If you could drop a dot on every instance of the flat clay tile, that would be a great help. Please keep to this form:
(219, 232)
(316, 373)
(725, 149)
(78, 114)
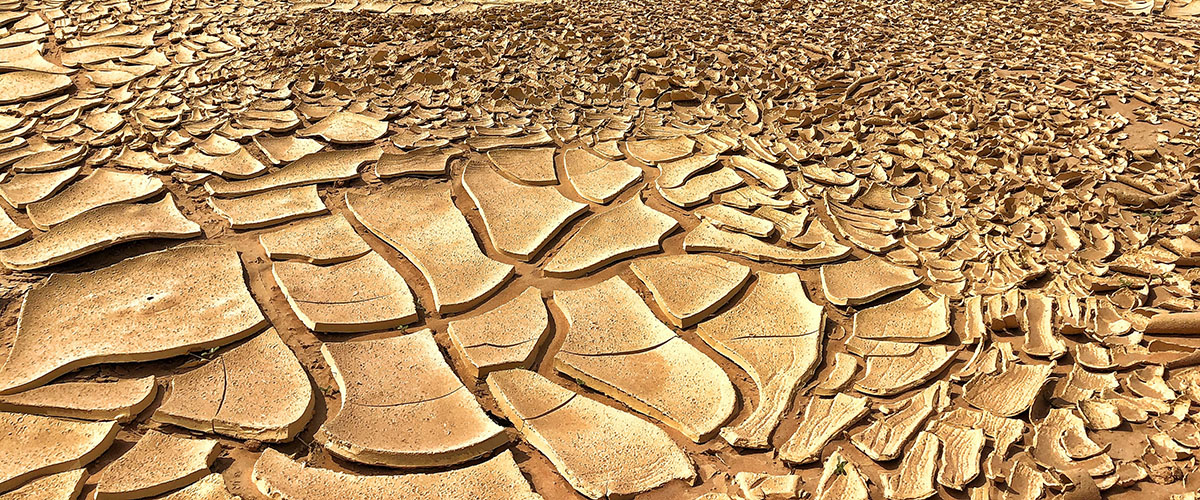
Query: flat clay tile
(354, 296)
(822, 420)
(269, 208)
(841, 480)
(314, 168)
(914, 317)
(101, 228)
(520, 220)
(533, 166)
(601, 451)
(1008, 391)
(61, 486)
(282, 149)
(899, 421)
(37, 446)
(428, 160)
(256, 390)
(346, 128)
(626, 230)
(210, 487)
(775, 334)
(121, 401)
(859, 282)
(422, 222)
(498, 478)
(502, 338)
(488, 143)
(197, 300)
(700, 188)
(101, 187)
(674, 173)
(319, 240)
(616, 345)
(730, 219)
(914, 479)
(770, 176)
(158, 463)
(888, 375)
(21, 86)
(690, 287)
(707, 238)
(651, 151)
(10, 232)
(239, 164)
(20, 190)
(402, 406)
(597, 179)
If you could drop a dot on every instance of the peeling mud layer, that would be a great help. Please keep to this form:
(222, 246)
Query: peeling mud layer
(571, 249)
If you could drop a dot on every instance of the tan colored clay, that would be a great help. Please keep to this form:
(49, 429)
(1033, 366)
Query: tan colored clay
(862, 281)
(520, 220)
(707, 238)
(626, 230)
(600, 450)
(158, 463)
(914, 317)
(597, 179)
(121, 401)
(532, 166)
(22, 189)
(257, 390)
(197, 300)
(61, 486)
(269, 208)
(822, 420)
(319, 240)
(688, 288)
(37, 446)
(422, 222)
(354, 296)
(502, 338)
(101, 187)
(402, 406)
(314, 168)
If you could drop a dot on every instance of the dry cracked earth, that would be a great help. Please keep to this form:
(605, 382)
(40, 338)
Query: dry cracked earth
(503, 249)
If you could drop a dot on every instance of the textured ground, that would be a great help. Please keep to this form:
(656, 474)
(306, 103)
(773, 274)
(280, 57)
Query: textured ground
(1033, 164)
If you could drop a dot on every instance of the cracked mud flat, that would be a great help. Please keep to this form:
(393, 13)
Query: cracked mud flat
(560, 249)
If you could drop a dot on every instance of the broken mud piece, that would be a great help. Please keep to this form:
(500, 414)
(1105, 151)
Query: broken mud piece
(277, 476)
(626, 230)
(237, 165)
(707, 238)
(421, 161)
(1100, 415)
(653, 151)
(689, 287)
(21, 86)
(758, 486)
(962, 454)
(615, 345)
(20, 190)
(314, 168)
(1038, 324)
(359, 295)
(1051, 449)
(98, 229)
(402, 406)
(342, 127)
(731, 219)
(257, 390)
(421, 221)
(1174, 323)
(38, 446)
(841, 480)
(520, 220)
(774, 333)
(889, 375)
(100, 188)
(598, 179)
(1004, 432)
(675, 173)
(121, 401)
(286, 148)
(269, 208)
(533, 166)
(10, 232)
(210, 487)
(197, 300)
(885, 437)
(822, 420)
(770, 176)
(158, 463)
(859, 282)
(1009, 391)
(700, 188)
(61, 486)
(913, 317)
(840, 374)
(488, 143)
(601, 451)
(320, 240)
(502, 338)
(914, 479)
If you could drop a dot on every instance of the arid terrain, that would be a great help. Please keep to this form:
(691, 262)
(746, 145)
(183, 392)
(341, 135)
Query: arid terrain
(475, 249)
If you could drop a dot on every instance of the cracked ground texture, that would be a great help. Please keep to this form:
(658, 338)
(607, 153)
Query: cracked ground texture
(988, 207)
